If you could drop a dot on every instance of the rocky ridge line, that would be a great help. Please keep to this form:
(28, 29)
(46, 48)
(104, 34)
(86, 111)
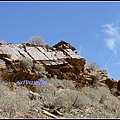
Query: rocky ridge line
(60, 61)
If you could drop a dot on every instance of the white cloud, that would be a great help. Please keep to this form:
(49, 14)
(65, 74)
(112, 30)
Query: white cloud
(113, 34)
(111, 30)
(110, 43)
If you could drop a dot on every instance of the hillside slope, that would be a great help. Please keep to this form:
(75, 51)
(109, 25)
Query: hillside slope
(53, 82)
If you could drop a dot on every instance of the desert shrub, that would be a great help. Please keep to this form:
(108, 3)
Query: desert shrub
(61, 101)
(96, 78)
(47, 46)
(66, 84)
(110, 106)
(93, 66)
(38, 40)
(26, 62)
(47, 92)
(103, 98)
(74, 99)
(95, 94)
(13, 103)
(40, 68)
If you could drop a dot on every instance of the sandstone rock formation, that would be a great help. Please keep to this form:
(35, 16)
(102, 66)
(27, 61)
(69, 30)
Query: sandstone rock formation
(19, 62)
(62, 60)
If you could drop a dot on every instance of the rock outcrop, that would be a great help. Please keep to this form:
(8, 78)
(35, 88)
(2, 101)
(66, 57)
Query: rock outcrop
(61, 60)
(30, 62)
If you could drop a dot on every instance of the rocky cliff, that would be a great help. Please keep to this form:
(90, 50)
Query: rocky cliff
(30, 62)
(61, 60)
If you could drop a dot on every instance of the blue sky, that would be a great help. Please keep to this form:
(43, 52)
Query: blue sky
(93, 28)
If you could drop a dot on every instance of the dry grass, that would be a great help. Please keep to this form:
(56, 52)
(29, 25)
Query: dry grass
(40, 68)
(87, 103)
(38, 40)
(93, 66)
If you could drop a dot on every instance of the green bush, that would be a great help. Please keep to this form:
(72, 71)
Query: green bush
(26, 62)
(96, 79)
(47, 46)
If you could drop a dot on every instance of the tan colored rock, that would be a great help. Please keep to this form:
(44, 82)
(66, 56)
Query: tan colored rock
(2, 64)
(61, 60)
(36, 54)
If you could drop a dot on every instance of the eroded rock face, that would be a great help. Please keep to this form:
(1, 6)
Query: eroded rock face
(62, 60)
